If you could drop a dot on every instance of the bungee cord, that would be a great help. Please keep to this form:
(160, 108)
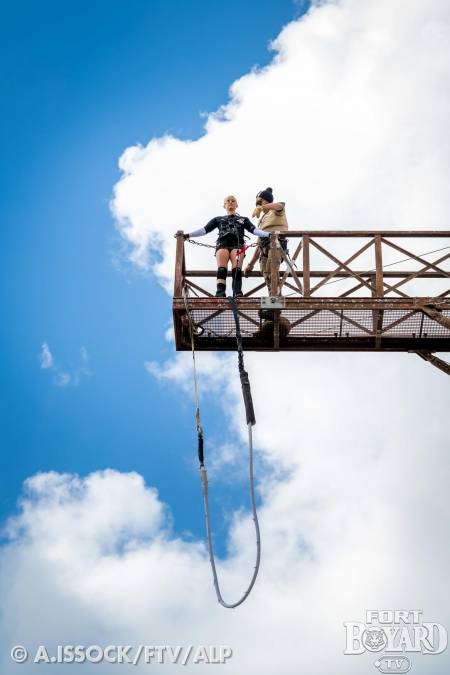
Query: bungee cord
(204, 479)
(251, 421)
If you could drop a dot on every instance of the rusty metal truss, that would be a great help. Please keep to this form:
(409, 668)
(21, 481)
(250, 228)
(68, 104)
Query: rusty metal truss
(336, 290)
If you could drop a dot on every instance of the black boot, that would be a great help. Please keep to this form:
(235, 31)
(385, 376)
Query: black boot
(220, 293)
(236, 273)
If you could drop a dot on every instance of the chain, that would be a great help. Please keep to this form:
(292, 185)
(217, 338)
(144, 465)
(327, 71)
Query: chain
(199, 243)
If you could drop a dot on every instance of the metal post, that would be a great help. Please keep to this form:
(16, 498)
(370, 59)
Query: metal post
(179, 266)
(273, 264)
(306, 269)
(377, 314)
(379, 288)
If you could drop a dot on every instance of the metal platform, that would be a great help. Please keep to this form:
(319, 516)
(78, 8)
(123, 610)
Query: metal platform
(374, 314)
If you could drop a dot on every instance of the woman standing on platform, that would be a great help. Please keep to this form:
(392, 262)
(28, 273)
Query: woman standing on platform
(230, 239)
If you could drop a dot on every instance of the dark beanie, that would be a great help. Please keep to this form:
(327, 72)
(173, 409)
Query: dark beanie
(265, 194)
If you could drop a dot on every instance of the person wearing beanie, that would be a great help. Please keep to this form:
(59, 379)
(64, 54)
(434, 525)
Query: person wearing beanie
(230, 239)
(266, 194)
(272, 218)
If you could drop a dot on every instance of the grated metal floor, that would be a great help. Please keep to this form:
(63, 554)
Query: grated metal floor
(323, 323)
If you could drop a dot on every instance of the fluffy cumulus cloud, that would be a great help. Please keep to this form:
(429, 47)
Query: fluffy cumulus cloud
(348, 124)
(350, 528)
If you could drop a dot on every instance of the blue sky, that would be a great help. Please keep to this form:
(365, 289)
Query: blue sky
(80, 83)
(353, 496)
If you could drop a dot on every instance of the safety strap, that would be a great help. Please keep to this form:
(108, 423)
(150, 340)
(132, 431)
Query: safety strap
(250, 415)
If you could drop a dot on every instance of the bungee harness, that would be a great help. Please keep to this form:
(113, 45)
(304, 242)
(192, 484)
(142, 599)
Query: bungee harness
(251, 421)
(241, 251)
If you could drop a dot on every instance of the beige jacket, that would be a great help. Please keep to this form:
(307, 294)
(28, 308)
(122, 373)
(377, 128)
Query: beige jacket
(274, 221)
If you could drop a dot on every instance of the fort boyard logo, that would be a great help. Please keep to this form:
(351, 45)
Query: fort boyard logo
(397, 633)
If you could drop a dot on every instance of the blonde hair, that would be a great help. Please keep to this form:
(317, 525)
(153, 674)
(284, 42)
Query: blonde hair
(229, 197)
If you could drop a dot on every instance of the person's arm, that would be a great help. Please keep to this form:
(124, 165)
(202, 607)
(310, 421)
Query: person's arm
(251, 264)
(276, 206)
(209, 227)
(260, 233)
(253, 229)
(196, 233)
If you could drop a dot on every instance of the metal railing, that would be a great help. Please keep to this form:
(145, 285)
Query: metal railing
(337, 290)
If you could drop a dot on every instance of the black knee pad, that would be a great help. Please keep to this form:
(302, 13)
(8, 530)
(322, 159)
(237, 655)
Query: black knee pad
(222, 273)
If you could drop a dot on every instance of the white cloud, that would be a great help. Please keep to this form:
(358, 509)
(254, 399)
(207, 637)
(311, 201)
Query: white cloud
(353, 528)
(349, 125)
(46, 357)
(62, 377)
(210, 370)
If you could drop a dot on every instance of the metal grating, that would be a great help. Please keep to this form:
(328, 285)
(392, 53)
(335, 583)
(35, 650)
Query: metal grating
(324, 323)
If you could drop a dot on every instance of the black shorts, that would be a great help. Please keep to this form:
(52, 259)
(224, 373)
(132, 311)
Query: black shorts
(227, 248)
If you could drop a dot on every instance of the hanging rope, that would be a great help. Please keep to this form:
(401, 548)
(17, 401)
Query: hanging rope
(250, 416)
(198, 422)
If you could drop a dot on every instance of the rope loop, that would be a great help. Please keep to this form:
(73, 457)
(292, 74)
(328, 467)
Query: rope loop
(203, 473)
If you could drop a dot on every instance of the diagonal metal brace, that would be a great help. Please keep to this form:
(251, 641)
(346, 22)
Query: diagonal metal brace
(291, 267)
(435, 361)
(436, 315)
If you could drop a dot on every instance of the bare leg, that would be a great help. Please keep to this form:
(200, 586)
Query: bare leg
(222, 258)
(235, 260)
(236, 264)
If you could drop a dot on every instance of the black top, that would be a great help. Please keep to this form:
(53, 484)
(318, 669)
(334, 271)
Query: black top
(231, 229)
